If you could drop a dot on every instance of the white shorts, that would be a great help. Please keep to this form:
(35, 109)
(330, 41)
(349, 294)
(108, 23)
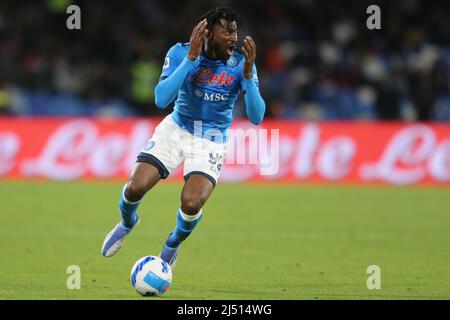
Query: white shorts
(171, 145)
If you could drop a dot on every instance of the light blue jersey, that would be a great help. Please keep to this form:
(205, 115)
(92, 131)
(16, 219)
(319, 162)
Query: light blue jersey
(208, 92)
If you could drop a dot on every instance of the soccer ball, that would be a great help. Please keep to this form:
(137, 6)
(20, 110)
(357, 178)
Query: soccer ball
(151, 276)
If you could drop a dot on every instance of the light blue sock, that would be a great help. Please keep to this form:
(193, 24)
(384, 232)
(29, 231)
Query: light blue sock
(185, 226)
(128, 210)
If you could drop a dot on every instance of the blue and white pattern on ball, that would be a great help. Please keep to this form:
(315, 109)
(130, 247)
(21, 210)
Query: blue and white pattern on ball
(151, 276)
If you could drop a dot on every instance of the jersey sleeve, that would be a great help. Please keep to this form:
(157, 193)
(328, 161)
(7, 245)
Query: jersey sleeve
(255, 105)
(175, 70)
(241, 74)
(172, 60)
(254, 78)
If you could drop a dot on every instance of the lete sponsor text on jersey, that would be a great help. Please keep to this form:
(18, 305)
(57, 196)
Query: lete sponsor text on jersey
(205, 76)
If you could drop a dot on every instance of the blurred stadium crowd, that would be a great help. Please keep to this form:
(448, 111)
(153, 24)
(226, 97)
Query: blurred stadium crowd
(316, 59)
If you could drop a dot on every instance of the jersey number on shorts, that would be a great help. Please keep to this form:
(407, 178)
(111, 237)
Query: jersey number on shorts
(216, 160)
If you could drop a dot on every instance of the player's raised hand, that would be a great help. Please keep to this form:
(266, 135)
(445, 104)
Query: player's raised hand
(195, 44)
(249, 50)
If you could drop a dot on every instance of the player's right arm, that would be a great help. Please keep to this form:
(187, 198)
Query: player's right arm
(176, 69)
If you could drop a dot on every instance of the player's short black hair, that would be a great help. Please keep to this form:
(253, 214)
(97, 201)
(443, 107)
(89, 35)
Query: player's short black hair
(214, 15)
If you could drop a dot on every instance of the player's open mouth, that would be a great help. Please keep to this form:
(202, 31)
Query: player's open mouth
(230, 50)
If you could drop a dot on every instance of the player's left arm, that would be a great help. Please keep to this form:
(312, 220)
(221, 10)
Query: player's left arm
(254, 103)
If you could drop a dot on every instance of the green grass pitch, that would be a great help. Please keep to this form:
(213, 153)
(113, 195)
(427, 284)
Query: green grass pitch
(255, 242)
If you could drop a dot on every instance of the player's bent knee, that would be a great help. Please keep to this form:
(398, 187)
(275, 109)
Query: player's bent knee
(135, 190)
(191, 205)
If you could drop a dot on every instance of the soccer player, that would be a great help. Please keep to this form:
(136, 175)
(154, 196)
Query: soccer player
(204, 77)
